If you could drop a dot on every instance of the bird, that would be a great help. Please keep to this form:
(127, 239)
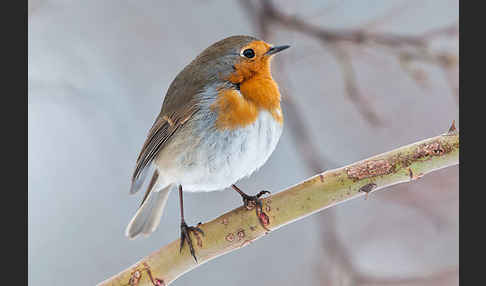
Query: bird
(220, 121)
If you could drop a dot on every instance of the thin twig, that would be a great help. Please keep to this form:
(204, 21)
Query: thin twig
(415, 46)
(311, 154)
(350, 82)
(392, 13)
(300, 134)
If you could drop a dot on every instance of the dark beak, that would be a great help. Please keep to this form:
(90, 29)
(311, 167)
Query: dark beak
(274, 50)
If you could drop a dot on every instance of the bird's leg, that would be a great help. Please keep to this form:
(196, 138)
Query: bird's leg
(254, 202)
(185, 230)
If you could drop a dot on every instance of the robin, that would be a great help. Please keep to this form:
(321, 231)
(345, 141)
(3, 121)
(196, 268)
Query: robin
(220, 121)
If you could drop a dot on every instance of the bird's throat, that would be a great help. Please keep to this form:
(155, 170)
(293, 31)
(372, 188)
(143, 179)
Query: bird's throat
(237, 109)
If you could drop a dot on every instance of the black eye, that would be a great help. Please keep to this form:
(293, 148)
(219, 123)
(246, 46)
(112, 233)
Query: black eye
(249, 53)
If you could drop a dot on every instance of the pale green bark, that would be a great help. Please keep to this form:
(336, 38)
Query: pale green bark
(240, 226)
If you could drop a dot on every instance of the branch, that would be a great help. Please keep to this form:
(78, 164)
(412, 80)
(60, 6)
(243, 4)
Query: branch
(407, 48)
(358, 36)
(240, 227)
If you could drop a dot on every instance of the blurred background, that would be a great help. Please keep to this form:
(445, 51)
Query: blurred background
(361, 78)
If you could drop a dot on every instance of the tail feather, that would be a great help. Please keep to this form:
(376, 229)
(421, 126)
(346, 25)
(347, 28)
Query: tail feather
(147, 217)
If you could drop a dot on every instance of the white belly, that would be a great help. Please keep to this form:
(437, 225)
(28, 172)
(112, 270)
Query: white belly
(206, 159)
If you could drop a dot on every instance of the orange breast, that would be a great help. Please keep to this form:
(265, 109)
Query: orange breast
(233, 110)
(239, 109)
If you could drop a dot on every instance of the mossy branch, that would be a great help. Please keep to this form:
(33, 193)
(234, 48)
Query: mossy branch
(240, 226)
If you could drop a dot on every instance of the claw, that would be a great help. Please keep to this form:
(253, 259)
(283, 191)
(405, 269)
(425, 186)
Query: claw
(252, 201)
(198, 230)
(185, 236)
(255, 202)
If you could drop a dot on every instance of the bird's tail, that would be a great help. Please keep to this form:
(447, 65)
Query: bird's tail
(147, 217)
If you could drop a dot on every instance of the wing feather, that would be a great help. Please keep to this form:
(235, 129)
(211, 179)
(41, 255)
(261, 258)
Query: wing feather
(179, 105)
(163, 129)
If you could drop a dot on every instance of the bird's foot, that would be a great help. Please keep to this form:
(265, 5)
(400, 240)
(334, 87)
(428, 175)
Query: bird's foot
(185, 230)
(251, 202)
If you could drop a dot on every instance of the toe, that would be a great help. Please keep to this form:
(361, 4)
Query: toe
(261, 193)
(198, 230)
(183, 238)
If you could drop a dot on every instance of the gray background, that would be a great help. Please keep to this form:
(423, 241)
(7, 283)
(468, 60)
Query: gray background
(98, 71)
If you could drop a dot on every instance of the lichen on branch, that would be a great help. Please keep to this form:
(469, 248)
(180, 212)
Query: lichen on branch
(239, 227)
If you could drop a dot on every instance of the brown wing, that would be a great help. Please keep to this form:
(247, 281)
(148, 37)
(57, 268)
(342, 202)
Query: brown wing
(165, 126)
(178, 107)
